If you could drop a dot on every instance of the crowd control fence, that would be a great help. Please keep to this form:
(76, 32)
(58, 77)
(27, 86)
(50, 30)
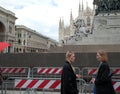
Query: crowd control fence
(89, 72)
(36, 85)
(15, 72)
(25, 80)
(50, 72)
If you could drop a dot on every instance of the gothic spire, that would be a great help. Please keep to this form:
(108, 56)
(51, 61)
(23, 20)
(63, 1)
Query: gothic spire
(82, 6)
(71, 16)
(60, 23)
(79, 12)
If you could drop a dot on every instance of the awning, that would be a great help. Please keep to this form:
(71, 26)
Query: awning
(3, 45)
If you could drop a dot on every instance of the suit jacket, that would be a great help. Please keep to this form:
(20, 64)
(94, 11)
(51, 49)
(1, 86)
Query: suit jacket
(103, 81)
(68, 80)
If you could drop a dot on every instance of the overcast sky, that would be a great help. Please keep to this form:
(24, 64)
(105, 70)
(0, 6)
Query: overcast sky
(43, 15)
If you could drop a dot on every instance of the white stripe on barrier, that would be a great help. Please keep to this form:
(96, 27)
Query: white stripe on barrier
(49, 84)
(51, 71)
(37, 84)
(59, 71)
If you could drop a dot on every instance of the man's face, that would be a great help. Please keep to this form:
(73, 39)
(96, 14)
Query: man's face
(72, 58)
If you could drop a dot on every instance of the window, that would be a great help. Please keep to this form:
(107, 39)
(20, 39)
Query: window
(88, 21)
(10, 29)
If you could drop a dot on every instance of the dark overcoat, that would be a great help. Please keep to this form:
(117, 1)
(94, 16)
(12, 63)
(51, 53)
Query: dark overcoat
(103, 80)
(68, 80)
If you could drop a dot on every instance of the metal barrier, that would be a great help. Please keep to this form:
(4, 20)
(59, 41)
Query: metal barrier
(8, 87)
(15, 72)
(116, 84)
(93, 70)
(38, 83)
(35, 85)
(50, 72)
(88, 72)
(31, 84)
(46, 72)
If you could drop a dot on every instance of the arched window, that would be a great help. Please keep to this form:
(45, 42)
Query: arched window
(2, 27)
(19, 41)
(24, 42)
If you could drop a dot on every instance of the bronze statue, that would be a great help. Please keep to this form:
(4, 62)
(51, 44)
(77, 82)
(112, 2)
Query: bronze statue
(107, 6)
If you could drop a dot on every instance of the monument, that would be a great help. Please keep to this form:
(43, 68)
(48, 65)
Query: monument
(106, 26)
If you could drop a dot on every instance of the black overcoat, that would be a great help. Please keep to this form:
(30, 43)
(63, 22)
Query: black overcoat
(103, 80)
(68, 80)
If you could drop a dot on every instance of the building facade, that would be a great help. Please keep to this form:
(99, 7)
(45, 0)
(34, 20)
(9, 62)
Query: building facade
(21, 38)
(29, 40)
(7, 19)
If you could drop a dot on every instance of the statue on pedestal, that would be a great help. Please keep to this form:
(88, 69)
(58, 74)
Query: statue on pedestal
(107, 6)
(114, 5)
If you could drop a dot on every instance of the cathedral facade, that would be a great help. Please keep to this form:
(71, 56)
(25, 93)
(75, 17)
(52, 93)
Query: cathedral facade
(78, 28)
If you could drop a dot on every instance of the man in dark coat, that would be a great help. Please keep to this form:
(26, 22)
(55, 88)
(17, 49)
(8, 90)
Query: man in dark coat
(68, 78)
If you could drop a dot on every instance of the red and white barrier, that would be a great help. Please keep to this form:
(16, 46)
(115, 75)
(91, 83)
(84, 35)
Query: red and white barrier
(38, 84)
(92, 71)
(12, 70)
(49, 70)
(116, 86)
(116, 71)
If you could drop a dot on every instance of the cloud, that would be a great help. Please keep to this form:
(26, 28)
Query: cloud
(42, 15)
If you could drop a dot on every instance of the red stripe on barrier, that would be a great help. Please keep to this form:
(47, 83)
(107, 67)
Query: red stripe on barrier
(21, 70)
(118, 89)
(14, 70)
(32, 83)
(48, 70)
(92, 71)
(113, 83)
(41, 70)
(8, 70)
(116, 71)
(116, 85)
(55, 84)
(43, 84)
(60, 71)
(19, 85)
(2, 70)
(55, 70)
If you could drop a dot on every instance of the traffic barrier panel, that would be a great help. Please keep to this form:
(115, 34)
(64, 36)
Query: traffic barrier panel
(46, 84)
(116, 85)
(47, 72)
(37, 84)
(15, 71)
(93, 70)
(116, 70)
(50, 72)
